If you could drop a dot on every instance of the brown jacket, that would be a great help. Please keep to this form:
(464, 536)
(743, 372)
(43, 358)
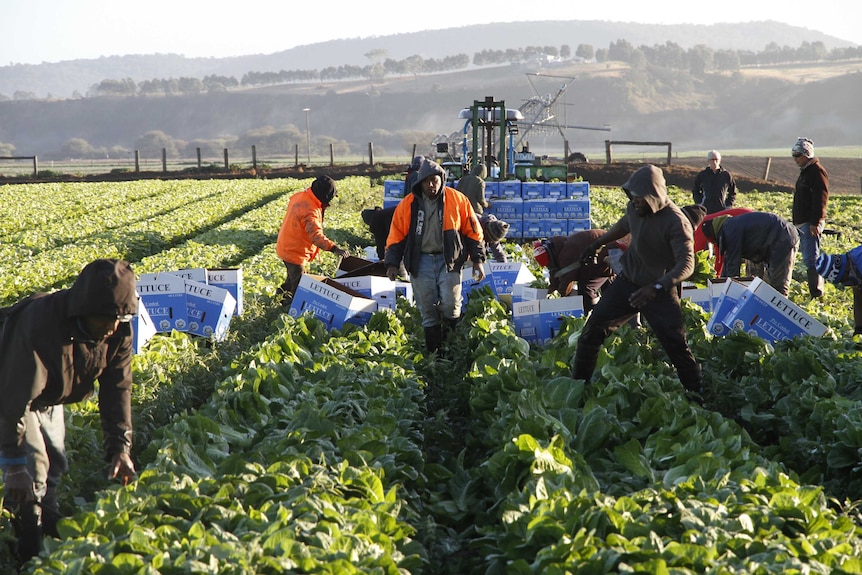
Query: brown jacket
(48, 359)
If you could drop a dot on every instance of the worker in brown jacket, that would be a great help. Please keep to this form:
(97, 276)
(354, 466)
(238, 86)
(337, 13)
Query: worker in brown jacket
(53, 347)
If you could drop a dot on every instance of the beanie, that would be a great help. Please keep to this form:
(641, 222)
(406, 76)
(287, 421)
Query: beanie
(695, 214)
(540, 253)
(323, 189)
(831, 267)
(496, 230)
(803, 147)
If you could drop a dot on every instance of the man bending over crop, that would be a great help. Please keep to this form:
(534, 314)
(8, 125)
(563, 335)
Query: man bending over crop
(53, 347)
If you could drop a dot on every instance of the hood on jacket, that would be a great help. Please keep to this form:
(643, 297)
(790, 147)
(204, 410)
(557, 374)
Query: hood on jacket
(711, 228)
(428, 168)
(105, 287)
(479, 170)
(648, 183)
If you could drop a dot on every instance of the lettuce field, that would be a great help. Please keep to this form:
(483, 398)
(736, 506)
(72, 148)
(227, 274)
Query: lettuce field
(287, 448)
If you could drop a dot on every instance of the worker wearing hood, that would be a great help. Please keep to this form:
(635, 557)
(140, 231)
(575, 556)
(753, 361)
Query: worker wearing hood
(659, 257)
(53, 347)
(473, 186)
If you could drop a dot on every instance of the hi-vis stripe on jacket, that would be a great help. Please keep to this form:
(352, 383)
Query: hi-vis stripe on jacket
(462, 234)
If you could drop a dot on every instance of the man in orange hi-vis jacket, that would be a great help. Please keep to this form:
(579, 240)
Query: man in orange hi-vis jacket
(301, 235)
(434, 230)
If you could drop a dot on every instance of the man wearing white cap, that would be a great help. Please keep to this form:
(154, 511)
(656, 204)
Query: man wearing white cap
(809, 209)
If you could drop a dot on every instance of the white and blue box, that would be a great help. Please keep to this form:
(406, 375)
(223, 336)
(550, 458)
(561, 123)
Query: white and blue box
(541, 209)
(380, 289)
(393, 189)
(330, 302)
(210, 309)
(538, 321)
(556, 228)
(509, 189)
(492, 190)
(724, 293)
(194, 274)
(469, 283)
(762, 311)
(532, 190)
(574, 209)
(700, 296)
(164, 296)
(143, 328)
(578, 190)
(556, 190)
(578, 225)
(231, 280)
(509, 274)
(508, 210)
(522, 292)
(535, 228)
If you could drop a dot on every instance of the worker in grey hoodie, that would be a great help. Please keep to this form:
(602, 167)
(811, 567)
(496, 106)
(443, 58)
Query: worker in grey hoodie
(660, 256)
(473, 186)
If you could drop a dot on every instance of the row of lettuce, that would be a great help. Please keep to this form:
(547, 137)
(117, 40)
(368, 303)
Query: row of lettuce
(293, 449)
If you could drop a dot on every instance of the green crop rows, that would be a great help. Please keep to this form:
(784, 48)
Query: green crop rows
(291, 449)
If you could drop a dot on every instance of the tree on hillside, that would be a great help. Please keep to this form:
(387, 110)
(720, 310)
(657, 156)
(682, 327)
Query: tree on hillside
(7, 149)
(151, 144)
(585, 51)
(565, 52)
(76, 148)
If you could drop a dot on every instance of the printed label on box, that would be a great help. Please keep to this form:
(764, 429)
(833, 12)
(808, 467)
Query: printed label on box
(164, 296)
(330, 302)
(764, 312)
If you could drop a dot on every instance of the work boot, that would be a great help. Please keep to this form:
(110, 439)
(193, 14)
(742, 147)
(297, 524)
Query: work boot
(434, 338)
(27, 523)
(857, 310)
(815, 283)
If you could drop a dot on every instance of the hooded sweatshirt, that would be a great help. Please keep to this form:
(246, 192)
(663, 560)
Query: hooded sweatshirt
(49, 359)
(461, 232)
(662, 245)
(473, 186)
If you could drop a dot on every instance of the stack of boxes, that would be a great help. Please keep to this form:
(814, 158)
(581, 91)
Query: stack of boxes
(198, 301)
(540, 209)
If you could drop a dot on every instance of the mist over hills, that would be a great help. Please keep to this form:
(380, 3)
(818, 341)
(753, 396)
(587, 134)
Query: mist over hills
(720, 110)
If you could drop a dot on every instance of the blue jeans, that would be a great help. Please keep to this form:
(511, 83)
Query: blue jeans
(809, 246)
(436, 290)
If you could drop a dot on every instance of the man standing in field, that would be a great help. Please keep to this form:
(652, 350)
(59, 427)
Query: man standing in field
(714, 187)
(659, 257)
(809, 209)
(301, 235)
(53, 347)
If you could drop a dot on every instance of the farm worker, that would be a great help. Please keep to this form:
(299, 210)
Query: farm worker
(494, 231)
(760, 237)
(562, 256)
(301, 235)
(809, 209)
(410, 178)
(378, 221)
(434, 231)
(660, 256)
(714, 187)
(473, 186)
(53, 347)
(844, 270)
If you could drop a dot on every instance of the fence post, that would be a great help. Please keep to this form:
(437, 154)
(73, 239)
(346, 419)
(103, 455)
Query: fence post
(164, 159)
(370, 153)
(199, 158)
(331, 155)
(296, 156)
(608, 155)
(35, 167)
(669, 146)
(254, 156)
(137, 161)
(766, 169)
(226, 161)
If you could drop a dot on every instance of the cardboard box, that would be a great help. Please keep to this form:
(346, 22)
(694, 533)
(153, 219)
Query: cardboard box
(538, 321)
(532, 190)
(210, 309)
(330, 302)
(508, 274)
(393, 189)
(522, 292)
(143, 328)
(194, 274)
(164, 296)
(231, 280)
(724, 293)
(578, 225)
(352, 266)
(492, 189)
(541, 208)
(700, 296)
(509, 189)
(508, 210)
(380, 289)
(574, 209)
(578, 190)
(764, 312)
(468, 284)
(556, 190)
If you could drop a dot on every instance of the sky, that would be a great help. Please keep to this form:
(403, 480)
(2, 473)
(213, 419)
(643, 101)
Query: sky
(37, 31)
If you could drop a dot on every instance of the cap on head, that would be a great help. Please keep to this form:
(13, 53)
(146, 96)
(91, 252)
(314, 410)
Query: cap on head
(323, 189)
(540, 253)
(495, 230)
(105, 287)
(803, 147)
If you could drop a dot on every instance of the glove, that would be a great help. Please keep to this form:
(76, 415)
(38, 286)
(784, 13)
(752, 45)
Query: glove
(340, 252)
(589, 256)
(392, 273)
